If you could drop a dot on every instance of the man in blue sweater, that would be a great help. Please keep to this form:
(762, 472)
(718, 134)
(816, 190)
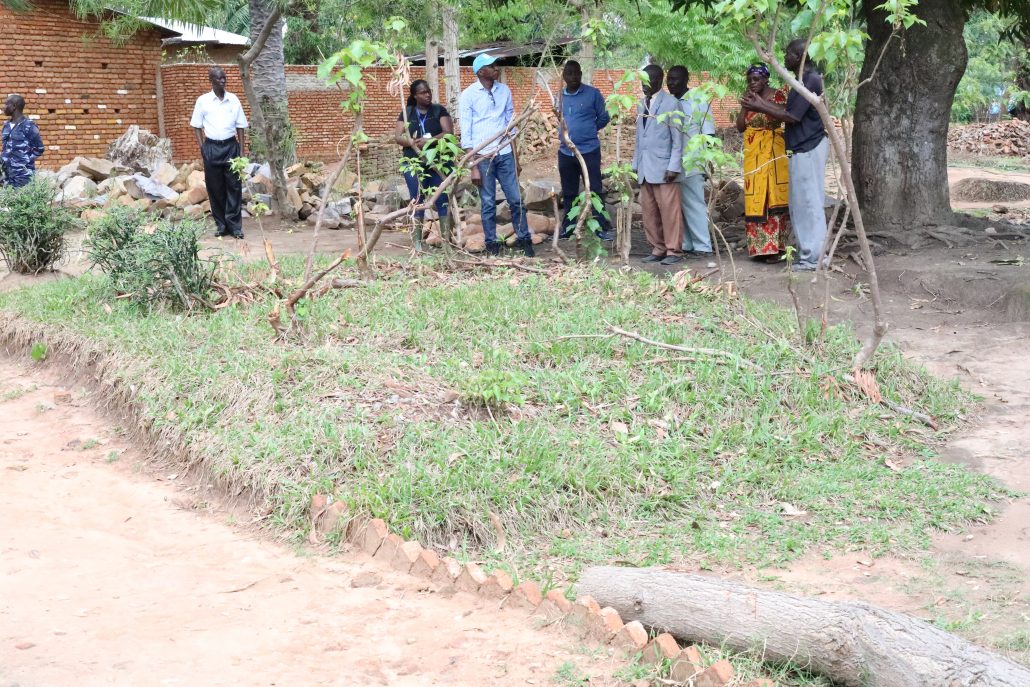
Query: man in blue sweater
(585, 114)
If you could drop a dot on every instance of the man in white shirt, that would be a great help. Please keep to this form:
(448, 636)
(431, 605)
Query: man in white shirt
(486, 109)
(697, 119)
(219, 124)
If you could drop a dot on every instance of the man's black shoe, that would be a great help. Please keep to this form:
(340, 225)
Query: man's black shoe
(527, 247)
(567, 233)
(605, 235)
(238, 235)
(493, 248)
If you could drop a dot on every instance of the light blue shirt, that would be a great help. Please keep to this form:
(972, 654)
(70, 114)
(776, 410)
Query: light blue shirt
(483, 114)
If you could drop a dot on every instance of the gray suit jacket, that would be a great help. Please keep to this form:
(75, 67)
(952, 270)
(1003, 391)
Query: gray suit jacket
(659, 144)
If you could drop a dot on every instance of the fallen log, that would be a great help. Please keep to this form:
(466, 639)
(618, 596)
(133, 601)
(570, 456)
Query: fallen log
(855, 644)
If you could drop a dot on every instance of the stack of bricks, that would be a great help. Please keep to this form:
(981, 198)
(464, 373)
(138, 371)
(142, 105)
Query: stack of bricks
(584, 617)
(81, 89)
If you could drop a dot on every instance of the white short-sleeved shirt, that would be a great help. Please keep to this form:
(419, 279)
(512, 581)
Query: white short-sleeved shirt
(218, 117)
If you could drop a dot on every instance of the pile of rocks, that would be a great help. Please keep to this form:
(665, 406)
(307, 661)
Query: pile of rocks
(1007, 137)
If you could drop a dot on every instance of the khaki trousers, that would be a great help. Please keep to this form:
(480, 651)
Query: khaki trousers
(663, 217)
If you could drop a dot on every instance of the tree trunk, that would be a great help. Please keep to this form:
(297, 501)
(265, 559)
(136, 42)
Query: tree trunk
(267, 74)
(900, 155)
(587, 58)
(433, 63)
(855, 644)
(451, 67)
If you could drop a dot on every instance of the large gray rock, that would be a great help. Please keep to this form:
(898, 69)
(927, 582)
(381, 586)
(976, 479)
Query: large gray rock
(330, 220)
(165, 174)
(140, 150)
(79, 188)
(152, 189)
(97, 168)
(537, 193)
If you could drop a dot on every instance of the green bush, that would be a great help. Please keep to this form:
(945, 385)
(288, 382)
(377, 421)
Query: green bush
(152, 263)
(108, 236)
(32, 227)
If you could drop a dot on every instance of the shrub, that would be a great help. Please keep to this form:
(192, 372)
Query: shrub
(153, 264)
(108, 236)
(32, 227)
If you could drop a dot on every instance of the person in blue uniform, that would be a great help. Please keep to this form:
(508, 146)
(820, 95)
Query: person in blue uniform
(22, 144)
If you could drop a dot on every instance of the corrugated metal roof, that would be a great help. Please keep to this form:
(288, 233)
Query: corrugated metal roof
(191, 33)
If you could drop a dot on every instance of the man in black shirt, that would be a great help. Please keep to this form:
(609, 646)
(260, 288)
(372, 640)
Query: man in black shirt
(808, 148)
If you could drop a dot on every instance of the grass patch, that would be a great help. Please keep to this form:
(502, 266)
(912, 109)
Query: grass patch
(586, 449)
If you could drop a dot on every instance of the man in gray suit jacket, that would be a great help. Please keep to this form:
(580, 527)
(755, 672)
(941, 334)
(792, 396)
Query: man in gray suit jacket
(658, 162)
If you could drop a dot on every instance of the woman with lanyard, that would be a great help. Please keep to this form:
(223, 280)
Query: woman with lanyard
(426, 121)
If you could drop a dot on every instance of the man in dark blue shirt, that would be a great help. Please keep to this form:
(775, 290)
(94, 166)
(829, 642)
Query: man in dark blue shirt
(808, 148)
(585, 114)
(21, 144)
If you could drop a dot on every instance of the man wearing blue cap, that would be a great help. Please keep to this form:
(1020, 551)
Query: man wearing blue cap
(486, 109)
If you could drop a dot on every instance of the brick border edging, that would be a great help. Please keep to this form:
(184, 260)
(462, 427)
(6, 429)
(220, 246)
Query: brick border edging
(585, 616)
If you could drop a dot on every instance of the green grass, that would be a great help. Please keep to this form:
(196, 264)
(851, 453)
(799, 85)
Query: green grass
(600, 454)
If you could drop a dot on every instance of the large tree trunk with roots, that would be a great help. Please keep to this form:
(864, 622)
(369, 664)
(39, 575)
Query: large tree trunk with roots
(900, 152)
(854, 644)
(268, 101)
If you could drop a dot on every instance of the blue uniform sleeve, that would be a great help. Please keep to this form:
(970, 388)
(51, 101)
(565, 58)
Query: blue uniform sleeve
(601, 116)
(36, 148)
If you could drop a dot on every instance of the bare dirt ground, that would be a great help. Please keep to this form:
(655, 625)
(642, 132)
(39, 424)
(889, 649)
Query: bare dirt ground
(110, 575)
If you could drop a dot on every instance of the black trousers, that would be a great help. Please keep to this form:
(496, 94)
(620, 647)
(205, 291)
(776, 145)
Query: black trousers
(224, 189)
(571, 175)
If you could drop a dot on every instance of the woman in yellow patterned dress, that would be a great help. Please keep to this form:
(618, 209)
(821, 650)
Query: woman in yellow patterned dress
(766, 220)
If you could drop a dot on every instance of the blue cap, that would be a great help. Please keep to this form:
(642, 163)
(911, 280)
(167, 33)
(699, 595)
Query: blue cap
(481, 61)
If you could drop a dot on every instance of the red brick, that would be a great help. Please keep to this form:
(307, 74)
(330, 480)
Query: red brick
(62, 397)
(447, 572)
(373, 535)
(605, 625)
(582, 611)
(426, 565)
(631, 638)
(333, 519)
(526, 595)
(558, 598)
(388, 548)
(497, 586)
(407, 554)
(686, 665)
(718, 674)
(661, 648)
(470, 579)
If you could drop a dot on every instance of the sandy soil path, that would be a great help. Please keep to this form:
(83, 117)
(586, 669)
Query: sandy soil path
(109, 577)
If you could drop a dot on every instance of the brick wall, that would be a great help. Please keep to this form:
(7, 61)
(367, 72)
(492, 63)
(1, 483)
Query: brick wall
(82, 92)
(322, 127)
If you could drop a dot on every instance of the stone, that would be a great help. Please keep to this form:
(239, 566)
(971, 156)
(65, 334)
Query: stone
(368, 578)
(475, 243)
(313, 181)
(539, 224)
(78, 188)
(604, 625)
(113, 186)
(330, 220)
(125, 200)
(295, 169)
(526, 595)
(150, 188)
(345, 183)
(503, 213)
(537, 193)
(447, 572)
(686, 665)
(71, 169)
(192, 196)
(195, 179)
(261, 184)
(92, 215)
(293, 199)
(317, 505)
(537, 239)
(342, 207)
(140, 150)
(497, 586)
(388, 548)
(96, 168)
(426, 564)
(631, 638)
(470, 579)
(661, 648)
(62, 397)
(373, 534)
(719, 674)
(181, 181)
(390, 200)
(582, 610)
(505, 231)
(372, 188)
(190, 211)
(165, 174)
(407, 554)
